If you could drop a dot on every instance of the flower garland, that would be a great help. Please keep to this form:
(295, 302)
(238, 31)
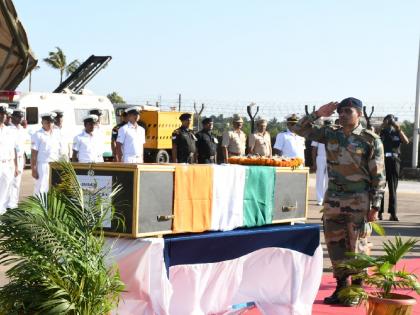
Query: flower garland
(257, 160)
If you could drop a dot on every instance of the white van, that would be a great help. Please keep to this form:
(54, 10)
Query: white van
(74, 106)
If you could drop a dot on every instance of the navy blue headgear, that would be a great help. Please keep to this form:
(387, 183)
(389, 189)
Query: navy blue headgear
(350, 102)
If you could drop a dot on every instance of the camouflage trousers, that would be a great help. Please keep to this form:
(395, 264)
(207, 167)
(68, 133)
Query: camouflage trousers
(345, 227)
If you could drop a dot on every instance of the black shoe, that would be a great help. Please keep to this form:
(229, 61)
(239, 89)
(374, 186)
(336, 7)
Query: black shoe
(380, 216)
(333, 299)
(393, 217)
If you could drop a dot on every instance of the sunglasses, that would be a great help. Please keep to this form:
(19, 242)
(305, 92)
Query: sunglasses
(346, 110)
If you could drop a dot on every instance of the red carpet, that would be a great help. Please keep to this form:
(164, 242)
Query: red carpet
(328, 285)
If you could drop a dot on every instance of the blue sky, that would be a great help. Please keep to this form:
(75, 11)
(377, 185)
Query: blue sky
(234, 50)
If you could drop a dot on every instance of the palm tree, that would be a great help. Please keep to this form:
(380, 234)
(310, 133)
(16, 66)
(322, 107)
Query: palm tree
(57, 60)
(56, 248)
(30, 77)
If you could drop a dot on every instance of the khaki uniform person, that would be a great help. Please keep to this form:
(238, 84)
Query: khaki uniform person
(87, 146)
(234, 141)
(8, 161)
(355, 158)
(45, 148)
(21, 136)
(131, 139)
(260, 141)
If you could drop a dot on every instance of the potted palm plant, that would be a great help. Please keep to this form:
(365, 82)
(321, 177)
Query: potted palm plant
(380, 277)
(56, 254)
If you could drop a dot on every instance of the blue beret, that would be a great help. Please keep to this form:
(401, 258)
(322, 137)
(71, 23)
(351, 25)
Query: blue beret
(351, 102)
(185, 116)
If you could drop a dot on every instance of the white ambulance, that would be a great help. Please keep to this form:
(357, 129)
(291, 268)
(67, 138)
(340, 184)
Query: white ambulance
(74, 106)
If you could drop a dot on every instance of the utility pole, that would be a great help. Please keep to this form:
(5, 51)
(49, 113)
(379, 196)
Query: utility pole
(416, 129)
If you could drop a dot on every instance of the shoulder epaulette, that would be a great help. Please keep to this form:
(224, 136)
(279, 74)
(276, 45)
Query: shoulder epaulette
(370, 133)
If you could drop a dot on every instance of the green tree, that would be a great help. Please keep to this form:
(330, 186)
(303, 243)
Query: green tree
(408, 128)
(115, 98)
(57, 60)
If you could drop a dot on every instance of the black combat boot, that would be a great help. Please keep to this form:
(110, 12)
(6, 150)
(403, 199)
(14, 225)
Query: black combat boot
(333, 299)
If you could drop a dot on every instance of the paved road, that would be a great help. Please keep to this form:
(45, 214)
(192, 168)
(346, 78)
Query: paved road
(408, 213)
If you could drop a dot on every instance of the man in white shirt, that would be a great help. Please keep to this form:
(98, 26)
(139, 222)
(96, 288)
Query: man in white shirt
(8, 161)
(319, 164)
(87, 146)
(21, 136)
(64, 135)
(45, 148)
(131, 138)
(288, 143)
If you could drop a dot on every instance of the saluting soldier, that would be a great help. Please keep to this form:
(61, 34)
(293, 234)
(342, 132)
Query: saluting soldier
(392, 136)
(87, 147)
(131, 139)
(114, 134)
(21, 136)
(355, 158)
(206, 143)
(234, 141)
(184, 141)
(8, 161)
(45, 148)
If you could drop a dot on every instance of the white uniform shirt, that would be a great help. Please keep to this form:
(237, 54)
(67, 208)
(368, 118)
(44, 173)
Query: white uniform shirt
(47, 144)
(89, 147)
(7, 144)
(290, 144)
(65, 140)
(132, 139)
(321, 148)
(22, 136)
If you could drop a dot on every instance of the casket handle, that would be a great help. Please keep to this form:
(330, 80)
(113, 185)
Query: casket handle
(289, 207)
(168, 217)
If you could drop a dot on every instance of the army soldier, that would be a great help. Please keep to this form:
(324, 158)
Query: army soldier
(260, 141)
(131, 139)
(392, 136)
(45, 148)
(184, 141)
(206, 143)
(234, 141)
(21, 136)
(8, 161)
(114, 134)
(356, 175)
(87, 148)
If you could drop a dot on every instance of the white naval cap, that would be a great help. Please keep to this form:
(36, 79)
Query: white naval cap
(91, 118)
(48, 116)
(18, 112)
(9, 111)
(134, 109)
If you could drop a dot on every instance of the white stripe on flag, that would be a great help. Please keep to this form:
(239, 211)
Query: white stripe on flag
(228, 193)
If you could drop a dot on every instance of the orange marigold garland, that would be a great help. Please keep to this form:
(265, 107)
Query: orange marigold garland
(275, 161)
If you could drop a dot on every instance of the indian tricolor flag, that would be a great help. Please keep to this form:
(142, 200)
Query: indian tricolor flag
(222, 197)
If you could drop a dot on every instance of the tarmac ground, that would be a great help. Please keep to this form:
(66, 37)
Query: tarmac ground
(408, 196)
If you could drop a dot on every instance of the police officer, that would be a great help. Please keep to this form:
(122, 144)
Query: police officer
(45, 148)
(131, 139)
(392, 136)
(21, 136)
(260, 140)
(8, 161)
(234, 141)
(356, 174)
(184, 141)
(206, 143)
(114, 134)
(87, 148)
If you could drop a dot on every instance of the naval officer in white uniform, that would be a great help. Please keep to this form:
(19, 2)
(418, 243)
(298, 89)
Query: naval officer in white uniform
(45, 148)
(87, 146)
(131, 139)
(8, 161)
(21, 136)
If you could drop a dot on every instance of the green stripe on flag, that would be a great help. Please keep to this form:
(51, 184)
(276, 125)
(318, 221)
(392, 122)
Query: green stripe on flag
(259, 195)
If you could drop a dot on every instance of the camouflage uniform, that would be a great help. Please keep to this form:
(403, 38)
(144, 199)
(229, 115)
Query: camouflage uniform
(356, 183)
